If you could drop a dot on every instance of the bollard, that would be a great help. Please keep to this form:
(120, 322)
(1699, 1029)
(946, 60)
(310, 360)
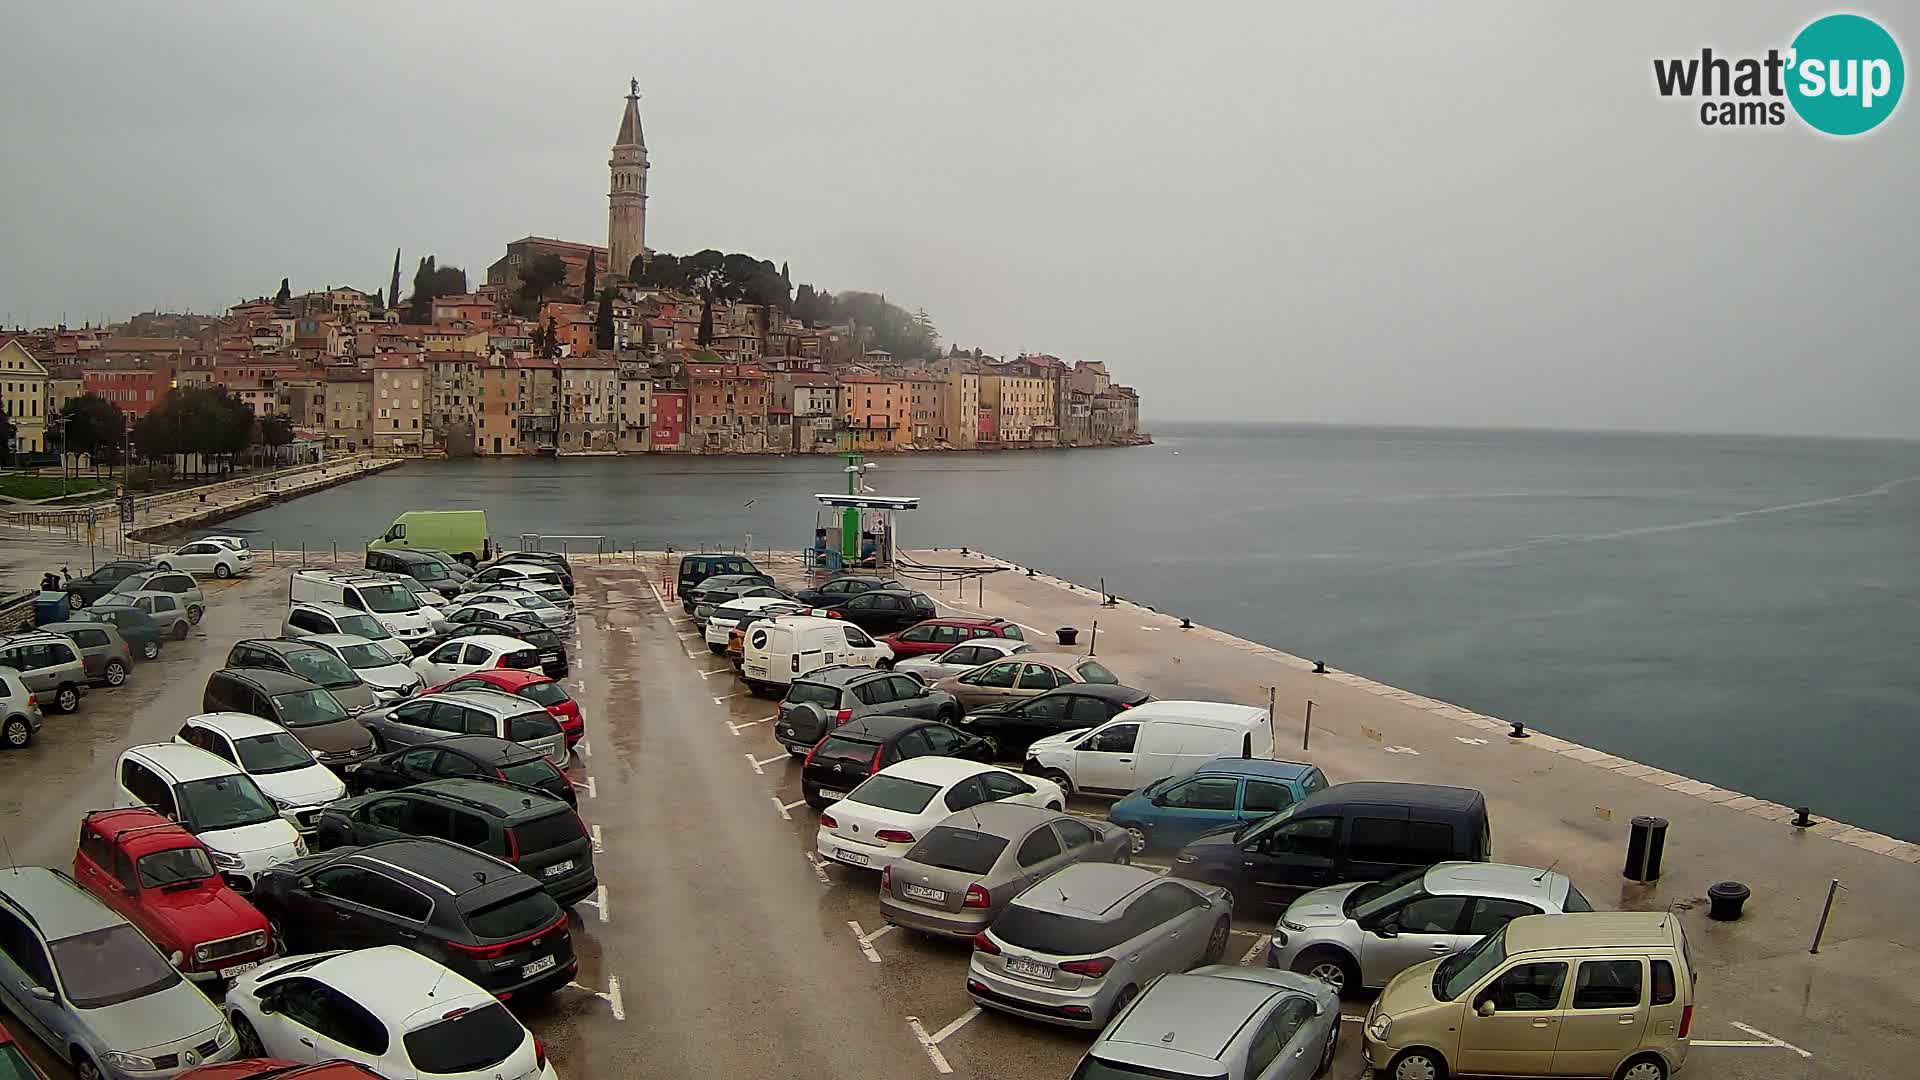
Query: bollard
(1646, 843)
(1821, 930)
(1519, 730)
(1094, 638)
(1186, 623)
(1067, 635)
(1725, 899)
(1802, 818)
(1319, 667)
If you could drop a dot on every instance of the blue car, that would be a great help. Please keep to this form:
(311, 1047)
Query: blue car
(1223, 793)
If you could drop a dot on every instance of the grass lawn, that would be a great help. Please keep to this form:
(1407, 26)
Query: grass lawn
(30, 486)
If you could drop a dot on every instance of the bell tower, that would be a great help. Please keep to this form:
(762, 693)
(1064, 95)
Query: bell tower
(627, 193)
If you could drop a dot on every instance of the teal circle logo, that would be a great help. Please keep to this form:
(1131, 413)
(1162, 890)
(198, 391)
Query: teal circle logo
(1846, 74)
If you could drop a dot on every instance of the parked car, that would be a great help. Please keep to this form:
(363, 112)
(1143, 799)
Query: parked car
(884, 611)
(1506, 1005)
(296, 784)
(105, 653)
(14, 1063)
(736, 650)
(1221, 1022)
(697, 567)
(365, 1007)
(962, 874)
(859, 748)
(477, 915)
(1348, 832)
(305, 709)
(428, 571)
(933, 636)
(165, 609)
(838, 590)
(551, 615)
(1077, 950)
(89, 588)
(138, 628)
(831, 696)
(1026, 675)
(694, 597)
(428, 599)
(94, 989)
(462, 532)
(215, 800)
(715, 597)
(461, 755)
(237, 543)
(480, 652)
(537, 833)
(931, 668)
(782, 649)
(533, 686)
(20, 717)
(523, 625)
(886, 814)
(1363, 934)
(322, 667)
(1223, 793)
(470, 712)
(393, 604)
(539, 580)
(390, 679)
(176, 583)
(203, 558)
(460, 571)
(1150, 741)
(271, 1068)
(50, 665)
(1015, 725)
(161, 878)
(306, 619)
(720, 623)
(552, 560)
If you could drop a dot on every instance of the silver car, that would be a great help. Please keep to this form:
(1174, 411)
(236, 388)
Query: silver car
(551, 615)
(1077, 946)
(389, 679)
(468, 712)
(966, 869)
(961, 658)
(19, 712)
(1364, 934)
(178, 582)
(165, 608)
(307, 618)
(95, 989)
(1221, 1022)
(50, 665)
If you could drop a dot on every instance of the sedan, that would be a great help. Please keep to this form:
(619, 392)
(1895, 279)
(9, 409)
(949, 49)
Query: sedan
(881, 820)
(481, 756)
(963, 873)
(1012, 726)
(1024, 676)
(1260, 1025)
(553, 652)
(84, 590)
(836, 591)
(1075, 950)
(883, 611)
(962, 658)
(551, 615)
(202, 558)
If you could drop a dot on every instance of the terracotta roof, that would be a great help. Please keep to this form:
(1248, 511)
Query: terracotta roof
(395, 360)
(593, 362)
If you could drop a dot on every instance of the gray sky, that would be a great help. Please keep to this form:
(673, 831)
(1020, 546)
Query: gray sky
(1448, 214)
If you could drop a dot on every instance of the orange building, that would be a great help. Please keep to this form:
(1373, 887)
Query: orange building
(729, 408)
(878, 411)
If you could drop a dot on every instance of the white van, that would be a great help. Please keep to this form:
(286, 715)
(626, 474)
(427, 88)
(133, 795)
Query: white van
(779, 650)
(1147, 742)
(393, 604)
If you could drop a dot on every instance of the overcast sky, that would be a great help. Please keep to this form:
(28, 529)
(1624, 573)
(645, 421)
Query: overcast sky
(1443, 214)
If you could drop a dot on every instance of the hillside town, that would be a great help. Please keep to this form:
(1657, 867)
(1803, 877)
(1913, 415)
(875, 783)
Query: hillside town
(569, 348)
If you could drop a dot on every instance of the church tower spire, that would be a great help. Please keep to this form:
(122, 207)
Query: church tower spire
(627, 195)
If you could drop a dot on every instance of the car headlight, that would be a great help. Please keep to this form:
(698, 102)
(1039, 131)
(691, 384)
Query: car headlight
(225, 861)
(128, 1062)
(224, 1035)
(257, 939)
(1379, 1026)
(299, 846)
(1288, 924)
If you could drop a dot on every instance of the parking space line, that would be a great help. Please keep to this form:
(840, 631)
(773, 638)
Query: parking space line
(598, 845)
(782, 807)
(691, 655)
(716, 671)
(592, 792)
(878, 934)
(612, 998)
(737, 728)
(1256, 950)
(931, 1043)
(1760, 1041)
(866, 944)
(598, 903)
(759, 764)
(724, 698)
(819, 871)
(658, 599)
(585, 748)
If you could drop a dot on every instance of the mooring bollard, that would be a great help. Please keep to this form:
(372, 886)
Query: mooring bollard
(1319, 667)
(1067, 635)
(1802, 817)
(1726, 898)
(1186, 623)
(1519, 731)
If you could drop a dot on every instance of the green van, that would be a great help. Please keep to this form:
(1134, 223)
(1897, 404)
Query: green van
(460, 533)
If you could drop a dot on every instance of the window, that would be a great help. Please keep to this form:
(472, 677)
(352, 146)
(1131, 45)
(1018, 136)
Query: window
(1003, 785)
(1117, 739)
(1203, 793)
(1431, 915)
(1607, 984)
(1073, 834)
(911, 745)
(1663, 983)
(968, 792)
(856, 638)
(1304, 836)
(1528, 988)
(947, 634)
(1039, 846)
(919, 633)
(1036, 677)
(1095, 673)
(23, 947)
(1266, 797)
(1490, 914)
(1429, 841)
(1575, 901)
(999, 675)
(1378, 840)
(941, 739)
(1266, 1046)
(874, 692)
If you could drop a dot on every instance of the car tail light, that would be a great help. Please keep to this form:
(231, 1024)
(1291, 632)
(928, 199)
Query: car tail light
(886, 879)
(827, 822)
(513, 847)
(874, 767)
(894, 836)
(1125, 705)
(977, 897)
(843, 716)
(480, 952)
(1092, 969)
(808, 760)
(985, 944)
(1686, 1021)
(796, 663)
(32, 701)
(539, 1053)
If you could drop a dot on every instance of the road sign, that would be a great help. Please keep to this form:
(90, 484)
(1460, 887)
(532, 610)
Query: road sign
(126, 509)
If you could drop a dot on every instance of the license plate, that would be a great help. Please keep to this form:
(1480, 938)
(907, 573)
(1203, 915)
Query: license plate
(558, 868)
(832, 796)
(538, 966)
(757, 669)
(1033, 969)
(238, 969)
(921, 892)
(855, 857)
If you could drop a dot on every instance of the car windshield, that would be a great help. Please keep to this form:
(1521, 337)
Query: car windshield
(1093, 1068)
(1060, 935)
(805, 693)
(361, 657)
(1457, 973)
(545, 693)
(521, 913)
(110, 965)
(531, 603)
(322, 667)
(537, 637)
(1375, 897)
(466, 1042)
(1268, 824)
(388, 599)
(429, 571)
(534, 772)
(308, 708)
(365, 626)
(1095, 673)
(164, 868)
(224, 802)
(894, 793)
(273, 752)
(964, 850)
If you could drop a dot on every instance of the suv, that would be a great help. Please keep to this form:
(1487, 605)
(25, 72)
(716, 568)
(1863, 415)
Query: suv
(162, 880)
(138, 627)
(472, 912)
(938, 635)
(524, 826)
(177, 583)
(700, 566)
(50, 665)
(94, 988)
(307, 710)
(19, 711)
(470, 712)
(82, 591)
(859, 748)
(305, 619)
(417, 565)
(310, 662)
(884, 611)
(104, 651)
(827, 697)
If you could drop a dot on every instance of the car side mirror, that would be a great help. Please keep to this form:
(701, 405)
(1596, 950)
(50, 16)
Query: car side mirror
(1485, 1008)
(1388, 929)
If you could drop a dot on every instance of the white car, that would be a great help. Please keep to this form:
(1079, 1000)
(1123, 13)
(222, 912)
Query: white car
(720, 624)
(390, 679)
(217, 802)
(237, 543)
(962, 658)
(283, 767)
(892, 809)
(540, 580)
(463, 656)
(400, 1014)
(551, 615)
(203, 557)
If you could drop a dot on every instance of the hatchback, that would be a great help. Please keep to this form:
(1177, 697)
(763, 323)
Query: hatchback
(1023, 676)
(322, 667)
(163, 608)
(19, 711)
(50, 665)
(174, 582)
(87, 589)
(1220, 1022)
(470, 712)
(938, 635)
(390, 679)
(831, 696)
(105, 653)
(965, 871)
(533, 686)
(715, 597)
(215, 800)
(312, 714)
(1223, 793)
(462, 755)
(962, 658)
(308, 618)
(551, 615)
(1013, 726)
(463, 655)
(296, 784)
(836, 591)
(136, 626)
(859, 748)
(1077, 949)
(511, 623)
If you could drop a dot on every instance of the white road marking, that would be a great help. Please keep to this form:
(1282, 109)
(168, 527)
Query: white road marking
(585, 748)
(866, 946)
(612, 997)
(724, 698)
(592, 792)
(880, 933)
(959, 1022)
(716, 671)
(1256, 950)
(1401, 750)
(738, 727)
(759, 764)
(658, 599)
(1761, 1041)
(794, 804)
(691, 655)
(932, 1048)
(1469, 742)
(600, 901)
(598, 845)
(819, 871)
(1154, 629)
(782, 807)
(1345, 1019)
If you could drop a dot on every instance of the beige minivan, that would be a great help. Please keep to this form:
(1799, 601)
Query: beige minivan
(1598, 994)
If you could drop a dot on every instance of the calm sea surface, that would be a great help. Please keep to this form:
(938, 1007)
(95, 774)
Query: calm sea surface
(1745, 610)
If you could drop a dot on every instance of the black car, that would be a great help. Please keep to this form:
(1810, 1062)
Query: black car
(480, 756)
(697, 567)
(419, 566)
(471, 912)
(82, 591)
(836, 591)
(525, 826)
(828, 697)
(1013, 726)
(883, 611)
(859, 748)
(527, 628)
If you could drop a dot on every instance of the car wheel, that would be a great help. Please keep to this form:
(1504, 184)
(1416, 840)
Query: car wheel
(194, 613)
(222, 570)
(1643, 1068)
(1137, 839)
(1124, 858)
(885, 665)
(116, 672)
(949, 717)
(1058, 777)
(180, 631)
(66, 699)
(467, 558)
(1330, 966)
(150, 649)
(83, 1065)
(18, 734)
(1418, 1063)
(248, 1038)
(1056, 807)
(1122, 1000)
(1217, 940)
(75, 601)
(716, 649)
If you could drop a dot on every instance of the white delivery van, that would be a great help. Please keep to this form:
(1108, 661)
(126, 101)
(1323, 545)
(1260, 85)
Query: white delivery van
(779, 650)
(1150, 741)
(393, 604)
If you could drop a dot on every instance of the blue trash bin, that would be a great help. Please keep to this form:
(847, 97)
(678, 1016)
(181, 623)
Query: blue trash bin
(49, 607)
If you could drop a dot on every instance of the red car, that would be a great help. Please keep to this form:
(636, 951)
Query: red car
(262, 1068)
(938, 635)
(157, 875)
(14, 1062)
(531, 685)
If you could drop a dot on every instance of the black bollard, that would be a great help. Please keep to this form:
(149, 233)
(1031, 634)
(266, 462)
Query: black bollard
(1725, 900)
(1646, 843)
(1067, 635)
(1186, 623)
(1319, 667)
(1519, 731)
(1802, 818)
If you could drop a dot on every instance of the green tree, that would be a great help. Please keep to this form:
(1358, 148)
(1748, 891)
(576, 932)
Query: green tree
(603, 323)
(95, 427)
(6, 439)
(284, 294)
(393, 286)
(430, 282)
(552, 339)
(706, 319)
(275, 432)
(586, 289)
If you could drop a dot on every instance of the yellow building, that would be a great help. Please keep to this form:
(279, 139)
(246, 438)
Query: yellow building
(1022, 408)
(399, 404)
(879, 412)
(957, 423)
(23, 395)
